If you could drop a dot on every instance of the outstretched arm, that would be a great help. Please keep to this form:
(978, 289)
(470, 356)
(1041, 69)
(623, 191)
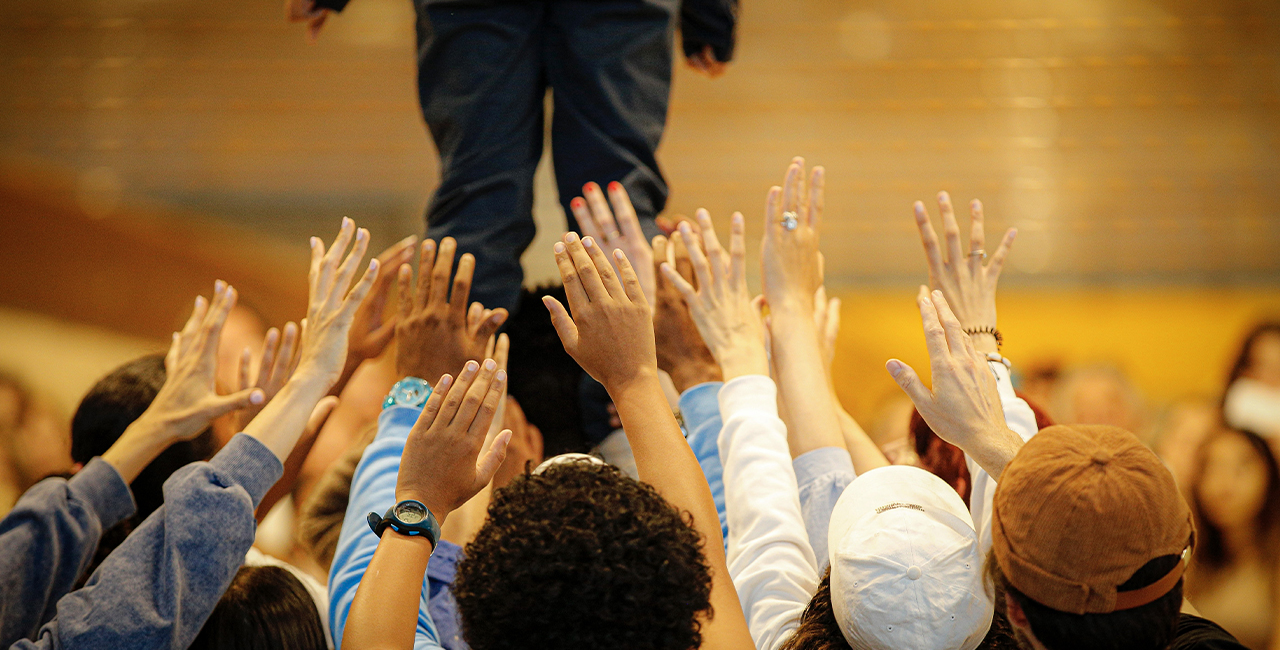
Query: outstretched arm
(611, 337)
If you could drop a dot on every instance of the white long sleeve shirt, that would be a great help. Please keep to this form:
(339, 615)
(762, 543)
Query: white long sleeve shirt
(770, 561)
(1019, 417)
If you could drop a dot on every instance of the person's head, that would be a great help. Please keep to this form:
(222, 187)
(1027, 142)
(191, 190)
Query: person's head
(1098, 394)
(1090, 540)
(819, 630)
(1259, 357)
(265, 608)
(580, 556)
(110, 406)
(544, 378)
(1236, 489)
(906, 569)
(33, 437)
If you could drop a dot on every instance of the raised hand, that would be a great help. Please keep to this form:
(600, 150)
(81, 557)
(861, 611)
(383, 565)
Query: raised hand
(437, 333)
(963, 407)
(616, 229)
(789, 252)
(611, 332)
(275, 366)
(442, 465)
(188, 400)
(721, 304)
(370, 331)
(826, 317)
(331, 308)
(682, 354)
(964, 279)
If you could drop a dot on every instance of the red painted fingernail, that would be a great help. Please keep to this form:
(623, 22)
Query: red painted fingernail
(576, 202)
(615, 186)
(587, 187)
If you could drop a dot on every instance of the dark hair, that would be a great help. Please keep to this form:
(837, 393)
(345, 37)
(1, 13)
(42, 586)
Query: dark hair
(583, 557)
(111, 406)
(947, 460)
(819, 629)
(1148, 627)
(105, 412)
(1211, 551)
(544, 378)
(1246, 348)
(265, 608)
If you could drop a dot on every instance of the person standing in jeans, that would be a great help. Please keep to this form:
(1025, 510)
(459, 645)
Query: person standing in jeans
(483, 70)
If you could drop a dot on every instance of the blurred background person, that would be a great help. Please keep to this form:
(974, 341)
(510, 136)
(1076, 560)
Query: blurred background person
(1234, 575)
(1098, 394)
(1179, 434)
(34, 440)
(1252, 400)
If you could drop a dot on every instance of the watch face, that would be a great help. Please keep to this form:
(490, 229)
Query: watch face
(411, 513)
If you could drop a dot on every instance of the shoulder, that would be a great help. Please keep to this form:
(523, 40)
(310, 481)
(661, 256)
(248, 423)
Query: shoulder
(1201, 633)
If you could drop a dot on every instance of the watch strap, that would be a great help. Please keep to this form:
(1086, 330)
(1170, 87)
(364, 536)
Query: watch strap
(410, 391)
(428, 527)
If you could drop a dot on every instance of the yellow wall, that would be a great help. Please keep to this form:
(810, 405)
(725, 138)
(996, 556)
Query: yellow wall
(1172, 342)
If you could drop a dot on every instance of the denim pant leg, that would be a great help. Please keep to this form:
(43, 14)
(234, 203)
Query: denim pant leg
(609, 65)
(481, 84)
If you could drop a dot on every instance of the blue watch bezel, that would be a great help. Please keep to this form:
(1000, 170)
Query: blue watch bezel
(410, 391)
(428, 527)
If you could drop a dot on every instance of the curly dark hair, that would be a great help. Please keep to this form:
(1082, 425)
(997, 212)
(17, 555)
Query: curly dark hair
(582, 557)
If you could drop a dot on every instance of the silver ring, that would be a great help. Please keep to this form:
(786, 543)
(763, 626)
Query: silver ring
(979, 253)
(789, 220)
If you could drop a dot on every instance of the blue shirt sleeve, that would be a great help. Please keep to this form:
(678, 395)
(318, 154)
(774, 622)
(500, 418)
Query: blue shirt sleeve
(157, 589)
(822, 475)
(48, 539)
(373, 489)
(700, 408)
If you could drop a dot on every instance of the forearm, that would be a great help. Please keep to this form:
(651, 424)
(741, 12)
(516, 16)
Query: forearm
(802, 382)
(284, 418)
(865, 454)
(385, 610)
(665, 461)
(48, 538)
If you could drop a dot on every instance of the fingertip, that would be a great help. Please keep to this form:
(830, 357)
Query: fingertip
(501, 375)
(588, 242)
(619, 255)
(471, 366)
(558, 248)
(615, 186)
(257, 397)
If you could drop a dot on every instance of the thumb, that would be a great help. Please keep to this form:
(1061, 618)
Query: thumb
(492, 459)
(220, 405)
(910, 383)
(565, 327)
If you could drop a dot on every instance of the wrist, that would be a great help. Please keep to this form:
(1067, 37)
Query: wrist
(643, 377)
(140, 444)
(744, 360)
(433, 502)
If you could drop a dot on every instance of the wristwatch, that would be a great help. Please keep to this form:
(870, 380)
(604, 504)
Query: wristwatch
(409, 391)
(409, 517)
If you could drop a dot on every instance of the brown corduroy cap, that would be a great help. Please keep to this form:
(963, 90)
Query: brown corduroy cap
(1078, 511)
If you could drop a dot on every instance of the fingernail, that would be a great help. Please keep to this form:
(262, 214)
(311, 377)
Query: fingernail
(199, 300)
(586, 187)
(559, 247)
(937, 294)
(495, 318)
(1013, 233)
(490, 364)
(445, 380)
(361, 233)
(894, 366)
(587, 242)
(175, 336)
(974, 203)
(472, 366)
(346, 221)
(256, 397)
(501, 376)
(619, 255)
(373, 264)
(571, 236)
(315, 241)
(219, 286)
(943, 196)
(685, 229)
(615, 186)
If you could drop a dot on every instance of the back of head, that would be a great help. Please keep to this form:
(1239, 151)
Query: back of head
(581, 557)
(111, 406)
(1089, 528)
(265, 608)
(906, 569)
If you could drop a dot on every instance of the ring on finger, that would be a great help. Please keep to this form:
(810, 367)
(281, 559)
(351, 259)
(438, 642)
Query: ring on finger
(789, 220)
(979, 253)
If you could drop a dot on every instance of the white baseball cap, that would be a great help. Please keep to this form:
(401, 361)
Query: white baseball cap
(906, 569)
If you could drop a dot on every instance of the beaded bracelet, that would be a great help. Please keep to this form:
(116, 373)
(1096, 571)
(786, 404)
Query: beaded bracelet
(987, 330)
